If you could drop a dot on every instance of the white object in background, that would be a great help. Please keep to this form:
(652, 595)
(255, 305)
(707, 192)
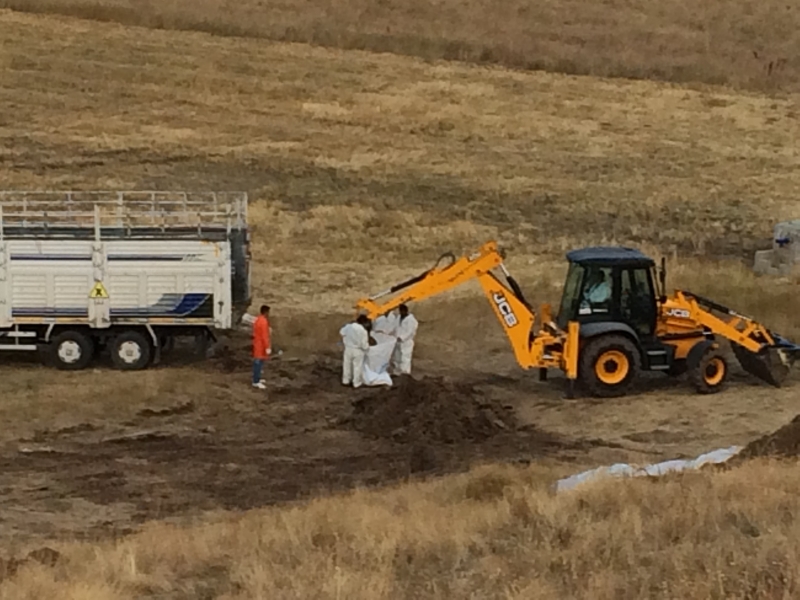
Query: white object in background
(376, 364)
(386, 324)
(624, 470)
(383, 338)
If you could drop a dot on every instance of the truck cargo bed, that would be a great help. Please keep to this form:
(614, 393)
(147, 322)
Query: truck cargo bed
(110, 262)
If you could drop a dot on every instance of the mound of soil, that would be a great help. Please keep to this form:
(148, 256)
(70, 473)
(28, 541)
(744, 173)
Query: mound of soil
(430, 410)
(785, 442)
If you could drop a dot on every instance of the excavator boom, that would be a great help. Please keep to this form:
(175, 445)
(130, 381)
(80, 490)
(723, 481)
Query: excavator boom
(434, 281)
(550, 348)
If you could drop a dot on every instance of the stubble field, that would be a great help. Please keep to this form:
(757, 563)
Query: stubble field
(747, 44)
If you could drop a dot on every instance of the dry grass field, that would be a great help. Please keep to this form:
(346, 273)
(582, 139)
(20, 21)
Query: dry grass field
(496, 533)
(385, 161)
(748, 43)
(362, 169)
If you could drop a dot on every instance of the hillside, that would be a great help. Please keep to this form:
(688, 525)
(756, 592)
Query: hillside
(385, 162)
(182, 482)
(748, 43)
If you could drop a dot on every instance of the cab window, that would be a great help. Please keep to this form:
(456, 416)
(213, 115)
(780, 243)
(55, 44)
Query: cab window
(597, 288)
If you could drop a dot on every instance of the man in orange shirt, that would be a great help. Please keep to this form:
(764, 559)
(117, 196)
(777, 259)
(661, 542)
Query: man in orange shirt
(262, 346)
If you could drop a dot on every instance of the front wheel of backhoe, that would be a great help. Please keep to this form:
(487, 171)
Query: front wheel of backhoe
(608, 366)
(710, 374)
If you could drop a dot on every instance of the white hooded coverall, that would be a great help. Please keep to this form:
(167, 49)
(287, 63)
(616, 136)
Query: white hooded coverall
(356, 345)
(406, 331)
(384, 329)
(386, 324)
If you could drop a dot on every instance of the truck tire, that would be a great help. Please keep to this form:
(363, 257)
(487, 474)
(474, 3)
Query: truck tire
(131, 351)
(609, 365)
(71, 350)
(710, 374)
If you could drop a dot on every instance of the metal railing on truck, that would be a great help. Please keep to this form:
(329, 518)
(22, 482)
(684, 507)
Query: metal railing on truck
(121, 213)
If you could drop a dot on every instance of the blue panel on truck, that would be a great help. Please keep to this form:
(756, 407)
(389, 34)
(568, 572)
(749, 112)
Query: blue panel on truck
(180, 305)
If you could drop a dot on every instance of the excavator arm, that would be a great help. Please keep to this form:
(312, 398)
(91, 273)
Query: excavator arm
(434, 281)
(551, 347)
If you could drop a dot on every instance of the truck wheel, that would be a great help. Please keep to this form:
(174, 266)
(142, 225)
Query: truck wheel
(710, 374)
(71, 350)
(609, 365)
(131, 351)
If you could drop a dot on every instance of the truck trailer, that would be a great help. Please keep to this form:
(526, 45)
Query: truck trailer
(83, 273)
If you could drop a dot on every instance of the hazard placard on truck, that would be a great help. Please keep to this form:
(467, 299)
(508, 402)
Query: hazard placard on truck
(125, 272)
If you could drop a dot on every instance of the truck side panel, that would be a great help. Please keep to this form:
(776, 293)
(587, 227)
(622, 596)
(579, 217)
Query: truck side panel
(161, 281)
(40, 290)
(48, 278)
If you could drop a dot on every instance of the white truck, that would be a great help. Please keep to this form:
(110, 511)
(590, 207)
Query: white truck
(124, 272)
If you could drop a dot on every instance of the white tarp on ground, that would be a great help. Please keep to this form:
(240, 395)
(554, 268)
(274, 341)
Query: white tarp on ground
(654, 470)
(376, 365)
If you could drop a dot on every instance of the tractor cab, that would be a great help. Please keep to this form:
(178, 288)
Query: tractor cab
(610, 286)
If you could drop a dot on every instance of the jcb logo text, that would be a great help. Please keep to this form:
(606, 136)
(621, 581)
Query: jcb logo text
(505, 310)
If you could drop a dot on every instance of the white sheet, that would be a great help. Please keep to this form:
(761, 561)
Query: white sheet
(624, 470)
(376, 364)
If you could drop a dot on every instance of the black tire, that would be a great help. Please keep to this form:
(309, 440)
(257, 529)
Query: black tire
(609, 365)
(711, 373)
(71, 350)
(131, 351)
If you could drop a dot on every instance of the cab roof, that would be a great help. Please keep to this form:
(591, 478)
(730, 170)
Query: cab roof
(610, 256)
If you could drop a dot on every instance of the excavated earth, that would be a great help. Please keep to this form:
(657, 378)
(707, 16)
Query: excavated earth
(431, 410)
(236, 448)
(783, 443)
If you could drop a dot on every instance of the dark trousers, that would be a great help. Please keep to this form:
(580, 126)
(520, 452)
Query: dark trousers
(258, 367)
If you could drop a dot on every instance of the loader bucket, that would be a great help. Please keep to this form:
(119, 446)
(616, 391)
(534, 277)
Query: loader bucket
(771, 364)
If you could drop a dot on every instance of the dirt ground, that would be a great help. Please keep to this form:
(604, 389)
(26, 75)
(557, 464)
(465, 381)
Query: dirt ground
(214, 443)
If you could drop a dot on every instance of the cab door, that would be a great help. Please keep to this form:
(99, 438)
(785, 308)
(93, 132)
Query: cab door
(638, 301)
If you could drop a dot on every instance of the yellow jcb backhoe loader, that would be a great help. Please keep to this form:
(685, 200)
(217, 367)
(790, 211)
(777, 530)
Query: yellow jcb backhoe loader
(615, 320)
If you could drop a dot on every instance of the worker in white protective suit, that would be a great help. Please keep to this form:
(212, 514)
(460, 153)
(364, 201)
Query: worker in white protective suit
(406, 332)
(355, 337)
(384, 327)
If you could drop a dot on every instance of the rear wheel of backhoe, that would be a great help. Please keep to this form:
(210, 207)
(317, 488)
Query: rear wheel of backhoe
(609, 365)
(710, 374)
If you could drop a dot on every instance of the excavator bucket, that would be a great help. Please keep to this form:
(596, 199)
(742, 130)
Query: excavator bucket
(772, 364)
